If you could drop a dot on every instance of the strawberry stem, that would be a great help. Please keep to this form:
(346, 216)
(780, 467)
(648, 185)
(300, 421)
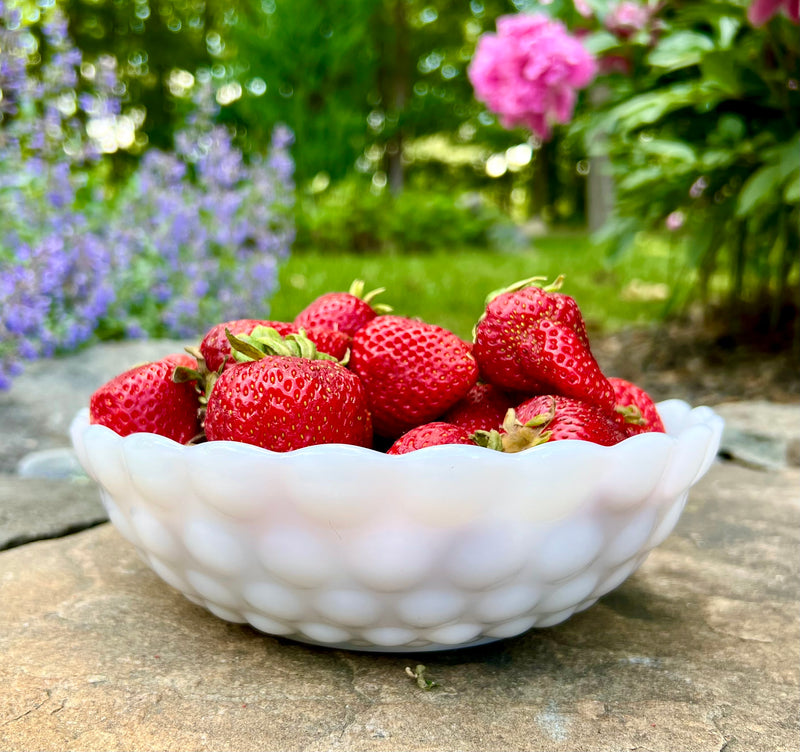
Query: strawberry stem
(357, 290)
(517, 436)
(554, 286)
(631, 414)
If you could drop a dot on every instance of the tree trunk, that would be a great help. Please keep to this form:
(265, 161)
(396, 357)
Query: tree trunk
(400, 84)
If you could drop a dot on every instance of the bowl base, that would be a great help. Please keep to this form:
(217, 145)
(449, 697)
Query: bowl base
(430, 648)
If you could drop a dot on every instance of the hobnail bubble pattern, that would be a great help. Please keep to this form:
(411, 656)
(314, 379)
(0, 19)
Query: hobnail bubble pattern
(445, 547)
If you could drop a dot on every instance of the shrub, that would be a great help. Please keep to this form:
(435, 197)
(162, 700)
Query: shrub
(697, 108)
(700, 117)
(350, 216)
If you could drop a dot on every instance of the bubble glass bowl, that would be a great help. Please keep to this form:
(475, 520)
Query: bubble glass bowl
(445, 547)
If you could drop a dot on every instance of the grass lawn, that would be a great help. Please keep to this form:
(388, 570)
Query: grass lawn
(448, 287)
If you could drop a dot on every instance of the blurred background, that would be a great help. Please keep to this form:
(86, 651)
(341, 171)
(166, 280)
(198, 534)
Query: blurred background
(168, 165)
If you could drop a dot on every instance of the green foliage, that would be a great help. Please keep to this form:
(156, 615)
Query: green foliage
(317, 62)
(353, 216)
(447, 286)
(704, 142)
(149, 40)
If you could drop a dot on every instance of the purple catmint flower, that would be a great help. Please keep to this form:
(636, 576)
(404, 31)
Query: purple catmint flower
(194, 239)
(529, 72)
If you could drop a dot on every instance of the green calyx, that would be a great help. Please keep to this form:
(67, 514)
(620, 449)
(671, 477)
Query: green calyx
(204, 380)
(631, 414)
(554, 286)
(357, 291)
(264, 340)
(517, 436)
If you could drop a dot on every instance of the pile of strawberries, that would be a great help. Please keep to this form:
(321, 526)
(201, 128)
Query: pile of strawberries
(347, 371)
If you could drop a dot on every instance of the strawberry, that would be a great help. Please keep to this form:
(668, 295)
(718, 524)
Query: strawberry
(503, 333)
(557, 358)
(635, 410)
(412, 371)
(430, 434)
(569, 418)
(483, 408)
(287, 401)
(551, 417)
(345, 311)
(329, 341)
(146, 399)
(215, 347)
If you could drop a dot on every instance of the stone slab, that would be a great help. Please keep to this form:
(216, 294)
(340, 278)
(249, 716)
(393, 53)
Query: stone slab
(36, 509)
(699, 650)
(37, 410)
(761, 434)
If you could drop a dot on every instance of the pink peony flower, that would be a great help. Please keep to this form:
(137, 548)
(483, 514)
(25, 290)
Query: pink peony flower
(760, 11)
(628, 17)
(529, 72)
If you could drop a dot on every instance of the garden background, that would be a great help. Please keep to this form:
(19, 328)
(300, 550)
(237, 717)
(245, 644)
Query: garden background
(168, 165)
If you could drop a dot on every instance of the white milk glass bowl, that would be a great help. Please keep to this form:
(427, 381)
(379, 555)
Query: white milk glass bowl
(445, 547)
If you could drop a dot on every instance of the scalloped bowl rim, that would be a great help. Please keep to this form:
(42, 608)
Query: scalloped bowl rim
(673, 412)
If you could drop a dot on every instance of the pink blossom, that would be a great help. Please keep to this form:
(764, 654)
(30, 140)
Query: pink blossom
(628, 17)
(583, 8)
(674, 220)
(529, 72)
(760, 11)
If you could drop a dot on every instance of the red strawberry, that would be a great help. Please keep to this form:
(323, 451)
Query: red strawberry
(507, 324)
(181, 360)
(568, 418)
(551, 417)
(285, 402)
(215, 347)
(145, 399)
(430, 434)
(559, 360)
(483, 408)
(329, 341)
(345, 311)
(412, 371)
(635, 410)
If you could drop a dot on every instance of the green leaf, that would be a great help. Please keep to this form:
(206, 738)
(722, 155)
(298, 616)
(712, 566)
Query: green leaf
(787, 153)
(718, 69)
(680, 50)
(650, 107)
(727, 27)
(639, 178)
(599, 42)
(791, 193)
(668, 150)
(762, 186)
(714, 159)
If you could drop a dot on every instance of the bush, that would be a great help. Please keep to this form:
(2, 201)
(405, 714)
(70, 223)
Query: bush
(700, 116)
(351, 216)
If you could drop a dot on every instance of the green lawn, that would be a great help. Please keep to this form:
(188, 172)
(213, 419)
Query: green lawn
(448, 287)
